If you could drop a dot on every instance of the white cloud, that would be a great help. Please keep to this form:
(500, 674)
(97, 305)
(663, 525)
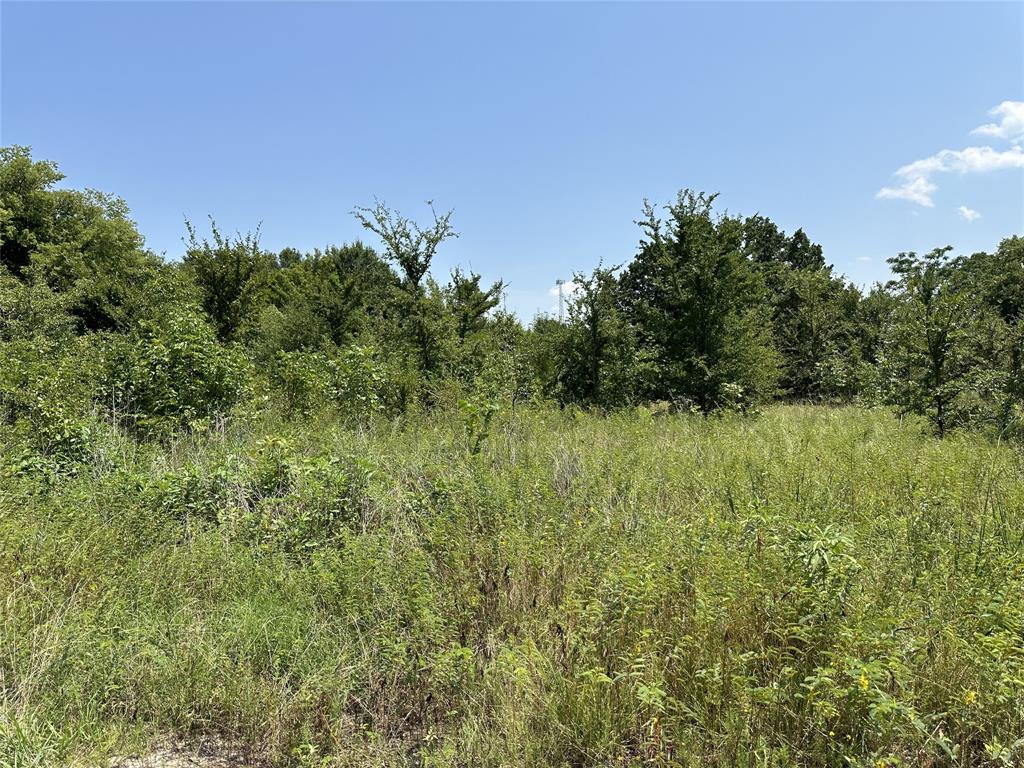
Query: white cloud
(968, 214)
(917, 190)
(915, 182)
(969, 160)
(1010, 125)
(863, 258)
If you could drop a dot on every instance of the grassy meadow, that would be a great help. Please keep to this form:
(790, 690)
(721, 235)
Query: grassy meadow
(808, 587)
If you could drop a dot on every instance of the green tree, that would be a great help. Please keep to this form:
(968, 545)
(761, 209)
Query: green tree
(229, 273)
(699, 307)
(171, 374)
(98, 259)
(470, 303)
(1006, 295)
(929, 341)
(544, 347)
(763, 241)
(600, 362)
(324, 299)
(31, 310)
(809, 308)
(27, 206)
(412, 249)
(998, 280)
(81, 244)
(813, 313)
(801, 253)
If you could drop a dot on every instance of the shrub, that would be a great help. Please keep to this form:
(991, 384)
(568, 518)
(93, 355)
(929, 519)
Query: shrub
(46, 390)
(172, 375)
(31, 310)
(302, 380)
(353, 382)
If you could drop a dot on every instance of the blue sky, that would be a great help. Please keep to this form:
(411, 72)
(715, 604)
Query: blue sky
(543, 125)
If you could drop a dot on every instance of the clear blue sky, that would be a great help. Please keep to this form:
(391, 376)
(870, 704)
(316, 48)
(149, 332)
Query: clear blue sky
(543, 126)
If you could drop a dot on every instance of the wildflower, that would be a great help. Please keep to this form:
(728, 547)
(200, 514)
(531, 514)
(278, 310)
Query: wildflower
(863, 681)
(970, 697)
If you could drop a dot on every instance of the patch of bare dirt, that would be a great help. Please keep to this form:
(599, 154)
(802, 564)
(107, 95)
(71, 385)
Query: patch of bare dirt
(207, 753)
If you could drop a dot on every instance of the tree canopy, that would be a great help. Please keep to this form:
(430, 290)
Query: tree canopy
(712, 311)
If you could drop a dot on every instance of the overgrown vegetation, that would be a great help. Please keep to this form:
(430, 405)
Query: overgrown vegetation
(352, 515)
(713, 312)
(814, 587)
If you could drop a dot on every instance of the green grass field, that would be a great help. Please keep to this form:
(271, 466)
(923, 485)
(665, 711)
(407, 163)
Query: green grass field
(808, 587)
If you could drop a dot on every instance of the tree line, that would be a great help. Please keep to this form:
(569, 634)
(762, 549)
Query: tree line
(712, 312)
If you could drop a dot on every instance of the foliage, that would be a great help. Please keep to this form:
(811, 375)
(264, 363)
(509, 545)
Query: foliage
(998, 279)
(698, 306)
(228, 273)
(354, 515)
(32, 310)
(81, 244)
(46, 392)
(812, 587)
(814, 331)
(601, 361)
(353, 382)
(172, 375)
(411, 247)
(929, 349)
(323, 300)
(714, 312)
(470, 303)
(26, 206)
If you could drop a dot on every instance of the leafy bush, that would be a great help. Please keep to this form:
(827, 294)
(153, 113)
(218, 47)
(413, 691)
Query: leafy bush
(352, 382)
(172, 375)
(270, 496)
(303, 381)
(46, 391)
(31, 310)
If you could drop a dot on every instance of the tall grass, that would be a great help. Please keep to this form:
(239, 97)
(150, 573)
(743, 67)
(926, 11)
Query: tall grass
(812, 587)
